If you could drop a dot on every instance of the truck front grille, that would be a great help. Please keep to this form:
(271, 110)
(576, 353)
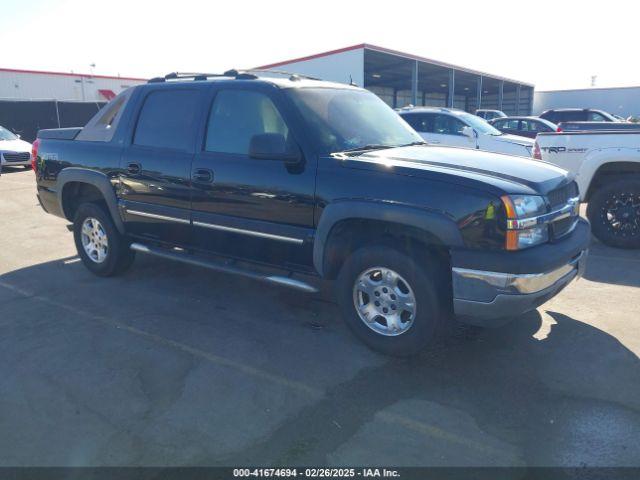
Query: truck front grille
(16, 157)
(561, 196)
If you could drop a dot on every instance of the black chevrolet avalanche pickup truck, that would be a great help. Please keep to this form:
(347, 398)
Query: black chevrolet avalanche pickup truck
(290, 180)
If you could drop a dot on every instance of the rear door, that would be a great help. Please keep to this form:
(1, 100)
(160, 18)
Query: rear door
(421, 123)
(155, 192)
(246, 207)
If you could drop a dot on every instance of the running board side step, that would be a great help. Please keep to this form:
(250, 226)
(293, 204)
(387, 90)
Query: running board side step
(225, 268)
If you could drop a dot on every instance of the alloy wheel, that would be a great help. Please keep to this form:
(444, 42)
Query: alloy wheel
(384, 301)
(94, 240)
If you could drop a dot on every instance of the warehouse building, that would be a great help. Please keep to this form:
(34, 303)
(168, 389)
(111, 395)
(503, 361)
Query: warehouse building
(402, 79)
(37, 85)
(622, 101)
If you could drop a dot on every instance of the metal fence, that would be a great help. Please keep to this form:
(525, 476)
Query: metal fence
(26, 117)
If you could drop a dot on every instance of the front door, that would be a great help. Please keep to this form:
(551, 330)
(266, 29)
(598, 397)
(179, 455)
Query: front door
(248, 207)
(155, 192)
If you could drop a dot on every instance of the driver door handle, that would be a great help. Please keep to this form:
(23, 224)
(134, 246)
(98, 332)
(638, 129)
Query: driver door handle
(202, 175)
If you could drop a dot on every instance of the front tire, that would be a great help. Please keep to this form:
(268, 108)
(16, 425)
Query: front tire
(103, 250)
(614, 213)
(389, 301)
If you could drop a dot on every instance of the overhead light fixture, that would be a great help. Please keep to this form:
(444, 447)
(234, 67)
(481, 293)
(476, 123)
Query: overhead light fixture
(466, 88)
(376, 75)
(486, 91)
(443, 85)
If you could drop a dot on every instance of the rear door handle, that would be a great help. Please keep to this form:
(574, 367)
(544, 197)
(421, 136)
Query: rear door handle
(133, 168)
(202, 175)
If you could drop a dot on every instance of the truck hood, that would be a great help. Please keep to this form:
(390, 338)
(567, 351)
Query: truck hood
(507, 173)
(14, 146)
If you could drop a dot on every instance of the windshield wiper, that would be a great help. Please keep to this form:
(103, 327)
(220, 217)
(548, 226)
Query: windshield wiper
(364, 148)
(413, 144)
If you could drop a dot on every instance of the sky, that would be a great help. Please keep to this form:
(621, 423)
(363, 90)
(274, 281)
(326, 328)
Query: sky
(552, 44)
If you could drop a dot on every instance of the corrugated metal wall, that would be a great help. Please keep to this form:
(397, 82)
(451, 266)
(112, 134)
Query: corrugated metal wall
(52, 86)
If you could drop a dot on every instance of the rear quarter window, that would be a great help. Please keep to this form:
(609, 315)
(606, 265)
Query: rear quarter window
(103, 125)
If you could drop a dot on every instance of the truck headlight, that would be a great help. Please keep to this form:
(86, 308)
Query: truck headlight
(526, 206)
(523, 230)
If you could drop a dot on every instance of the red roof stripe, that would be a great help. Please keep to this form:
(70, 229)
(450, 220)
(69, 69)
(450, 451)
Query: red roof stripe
(65, 74)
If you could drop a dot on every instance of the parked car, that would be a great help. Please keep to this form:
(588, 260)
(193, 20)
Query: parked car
(523, 126)
(490, 114)
(607, 168)
(456, 128)
(13, 151)
(290, 176)
(577, 115)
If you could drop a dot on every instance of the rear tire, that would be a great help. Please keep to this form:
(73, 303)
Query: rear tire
(103, 250)
(614, 213)
(401, 335)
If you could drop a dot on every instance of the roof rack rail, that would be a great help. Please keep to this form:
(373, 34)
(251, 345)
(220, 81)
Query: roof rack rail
(185, 76)
(292, 76)
(233, 73)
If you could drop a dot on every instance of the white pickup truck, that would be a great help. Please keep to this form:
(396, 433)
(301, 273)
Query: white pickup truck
(607, 166)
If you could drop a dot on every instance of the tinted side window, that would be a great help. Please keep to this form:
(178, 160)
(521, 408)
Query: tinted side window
(420, 122)
(166, 119)
(538, 126)
(238, 115)
(596, 117)
(447, 125)
(510, 124)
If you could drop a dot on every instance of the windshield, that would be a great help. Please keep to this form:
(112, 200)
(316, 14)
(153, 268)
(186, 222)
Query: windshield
(480, 125)
(342, 119)
(6, 134)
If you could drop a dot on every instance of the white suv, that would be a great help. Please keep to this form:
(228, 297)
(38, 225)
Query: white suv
(13, 151)
(457, 128)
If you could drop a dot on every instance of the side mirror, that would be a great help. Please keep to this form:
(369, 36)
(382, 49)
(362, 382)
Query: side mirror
(469, 132)
(272, 146)
(18, 135)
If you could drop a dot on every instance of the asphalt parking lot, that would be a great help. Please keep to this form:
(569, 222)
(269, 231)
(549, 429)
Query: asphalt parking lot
(175, 365)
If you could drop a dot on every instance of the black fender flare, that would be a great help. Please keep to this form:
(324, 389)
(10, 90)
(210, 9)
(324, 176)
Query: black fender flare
(434, 223)
(98, 180)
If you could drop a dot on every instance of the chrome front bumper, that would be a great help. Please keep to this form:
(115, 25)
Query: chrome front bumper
(481, 296)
